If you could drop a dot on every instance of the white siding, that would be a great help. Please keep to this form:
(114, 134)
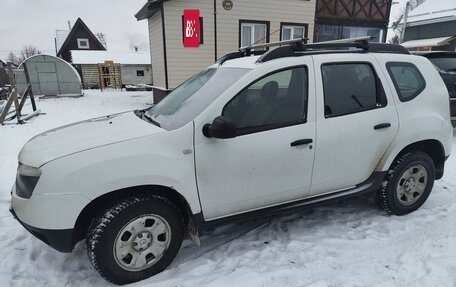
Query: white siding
(185, 62)
(129, 74)
(273, 11)
(156, 50)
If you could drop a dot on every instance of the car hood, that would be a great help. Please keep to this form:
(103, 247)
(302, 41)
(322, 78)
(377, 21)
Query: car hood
(85, 135)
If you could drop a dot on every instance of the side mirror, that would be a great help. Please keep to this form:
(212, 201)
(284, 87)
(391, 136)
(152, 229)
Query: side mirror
(221, 128)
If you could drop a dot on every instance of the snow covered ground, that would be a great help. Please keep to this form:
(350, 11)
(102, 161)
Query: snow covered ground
(351, 243)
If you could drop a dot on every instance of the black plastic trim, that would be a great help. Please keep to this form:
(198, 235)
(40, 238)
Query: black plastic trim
(165, 52)
(61, 240)
(372, 184)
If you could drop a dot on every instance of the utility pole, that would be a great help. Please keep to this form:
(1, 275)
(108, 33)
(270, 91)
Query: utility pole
(407, 9)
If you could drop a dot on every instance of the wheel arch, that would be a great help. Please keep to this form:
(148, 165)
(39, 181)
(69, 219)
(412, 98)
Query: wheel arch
(100, 204)
(432, 147)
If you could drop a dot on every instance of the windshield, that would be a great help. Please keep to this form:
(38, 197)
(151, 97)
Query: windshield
(189, 99)
(445, 64)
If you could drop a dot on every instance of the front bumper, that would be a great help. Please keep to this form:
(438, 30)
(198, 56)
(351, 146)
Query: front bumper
(60, 240)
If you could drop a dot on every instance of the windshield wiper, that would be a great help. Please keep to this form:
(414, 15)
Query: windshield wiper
(149, 119)
(142, 115)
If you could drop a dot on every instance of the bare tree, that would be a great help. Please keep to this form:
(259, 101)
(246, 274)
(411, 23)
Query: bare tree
(12, 58)
(26, 52)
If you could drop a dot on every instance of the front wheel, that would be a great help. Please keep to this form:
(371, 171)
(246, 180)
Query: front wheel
(135, 239)
(408, 184)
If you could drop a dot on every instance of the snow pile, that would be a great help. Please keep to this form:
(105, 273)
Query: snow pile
(351, 243)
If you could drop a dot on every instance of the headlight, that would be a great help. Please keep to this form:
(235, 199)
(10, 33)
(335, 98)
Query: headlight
(26, 179)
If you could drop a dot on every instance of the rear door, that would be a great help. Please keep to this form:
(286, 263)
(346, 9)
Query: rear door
(356, 121)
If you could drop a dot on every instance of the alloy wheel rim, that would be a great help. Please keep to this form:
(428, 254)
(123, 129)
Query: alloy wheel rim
(142, 242)
(411, 185)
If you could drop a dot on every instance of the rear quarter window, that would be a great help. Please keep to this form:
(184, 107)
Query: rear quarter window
(407, 79)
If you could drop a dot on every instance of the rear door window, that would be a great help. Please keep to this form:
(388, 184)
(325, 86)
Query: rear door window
(407, 79)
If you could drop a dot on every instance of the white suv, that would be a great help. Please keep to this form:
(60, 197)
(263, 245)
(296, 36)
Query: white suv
(248, 136)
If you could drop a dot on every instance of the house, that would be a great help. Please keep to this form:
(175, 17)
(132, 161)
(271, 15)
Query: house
(78, 38)
(188, 35)
(340, 19)
(2, 64)
(432, 26)
(102, 69)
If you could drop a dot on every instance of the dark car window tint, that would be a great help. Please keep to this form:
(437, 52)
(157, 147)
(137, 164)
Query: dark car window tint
(274, 101)
(350, 88)
(407, 79)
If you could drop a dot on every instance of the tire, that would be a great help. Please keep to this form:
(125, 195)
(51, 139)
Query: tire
(135, 239)
(408, 184)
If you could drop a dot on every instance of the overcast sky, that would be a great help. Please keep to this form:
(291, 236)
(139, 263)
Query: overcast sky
(34, 22)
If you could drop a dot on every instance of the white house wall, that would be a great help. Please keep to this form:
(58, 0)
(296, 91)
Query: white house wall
(129, 74)
(294, 11)
(156, 50)
(185, 62)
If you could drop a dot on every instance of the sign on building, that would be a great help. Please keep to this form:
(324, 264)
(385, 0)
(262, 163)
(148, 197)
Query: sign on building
(191, 28)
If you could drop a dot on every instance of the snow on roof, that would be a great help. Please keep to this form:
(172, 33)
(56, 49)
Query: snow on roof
(99, 57)
(432, 42)
(443, 10)
(61, 35)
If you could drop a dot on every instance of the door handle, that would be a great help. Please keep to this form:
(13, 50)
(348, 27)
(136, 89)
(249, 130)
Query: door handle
(382, 126)
(301, 142)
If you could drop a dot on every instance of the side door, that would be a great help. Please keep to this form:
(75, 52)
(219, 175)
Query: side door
(356, 121)
(270, 160)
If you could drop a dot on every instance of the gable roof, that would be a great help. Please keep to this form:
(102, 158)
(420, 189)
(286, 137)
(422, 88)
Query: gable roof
(149, 9)
(2, 64)
(79, 24)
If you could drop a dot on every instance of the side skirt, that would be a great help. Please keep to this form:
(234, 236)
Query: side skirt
(372, 184)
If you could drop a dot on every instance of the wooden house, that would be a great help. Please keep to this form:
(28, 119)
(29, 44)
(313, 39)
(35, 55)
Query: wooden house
(78, 38)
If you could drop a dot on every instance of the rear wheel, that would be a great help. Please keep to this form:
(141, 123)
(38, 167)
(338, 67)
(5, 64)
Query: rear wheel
(408, 184)
(135, 239)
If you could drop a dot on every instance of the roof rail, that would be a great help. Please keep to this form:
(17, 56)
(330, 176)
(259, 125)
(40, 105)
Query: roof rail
(298, 47)
(300, 41)
(253, 49)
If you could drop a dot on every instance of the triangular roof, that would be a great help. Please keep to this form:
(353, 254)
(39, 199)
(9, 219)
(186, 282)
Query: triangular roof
(79, 24)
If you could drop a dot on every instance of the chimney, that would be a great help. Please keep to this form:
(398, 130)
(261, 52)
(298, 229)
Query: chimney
(69, 24)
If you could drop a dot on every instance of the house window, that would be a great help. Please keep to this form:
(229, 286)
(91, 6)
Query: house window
(83, 43)
(324, 32)
(253, 32)
(140, 73)
(290, 31)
